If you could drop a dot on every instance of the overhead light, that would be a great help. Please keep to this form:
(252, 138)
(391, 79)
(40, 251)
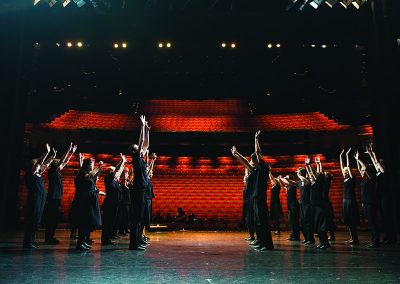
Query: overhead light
(79, 44)
(223, 45)
(35, 2)
(358, 3)
(324, 46)
(313, 45)
(345, 3)
(331, 3)
(58, 44)
(168, 45)
(79, 3)
(124, 45)
(160, 45)
(269, 45)
(66, 2)
(315, 3)
(303, 5)
(116, 45)
(69, 44)
(278, 45)
(233, 45)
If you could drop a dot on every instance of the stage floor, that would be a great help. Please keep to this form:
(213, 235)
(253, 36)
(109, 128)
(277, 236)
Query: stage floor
(195, 257)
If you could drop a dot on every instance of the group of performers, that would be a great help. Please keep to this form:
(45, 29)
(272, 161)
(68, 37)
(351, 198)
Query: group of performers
(313, 212)
(129, 193)
(126, 207)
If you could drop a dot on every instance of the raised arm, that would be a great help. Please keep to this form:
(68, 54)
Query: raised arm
(68, 156)
(310, 170)
(377, 164)
(96, 172)
(319, 164)
(81, 158)
(274, 181)
(347, 158)
(120, 167)
(40, 161)
(241, 159)
(257, 148)
(142, 133)
(151, 165)
(286, 181)
(47, 163)
(146, 140)
(341, 161)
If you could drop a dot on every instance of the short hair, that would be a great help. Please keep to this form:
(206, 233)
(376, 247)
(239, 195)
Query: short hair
(86, 163)
(302, 171)
(253, 156)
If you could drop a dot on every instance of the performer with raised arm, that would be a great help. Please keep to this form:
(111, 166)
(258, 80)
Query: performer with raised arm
(385, 202)
(275, 203)
(305, 207)
(111, 202)
(149, 195)
(73, 212)
(36, 196)
(293, 206)
(87, 204)
(258, 183)
(368, 199)
(54, 195)
(140, 183)
(351, 217)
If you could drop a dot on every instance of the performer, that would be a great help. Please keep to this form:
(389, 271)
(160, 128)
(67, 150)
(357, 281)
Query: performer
(275, 203)
(258, 182)
(73, 212)
(149, 195)
(247, 221)
(140, 183)
(54, 195)
(368, 199)
(87, 202)
(292, 205)
(111, 202)
(385, 202)
(318, 221)
(305, 206)
(124, 209)
(36, 197)
(351, 217)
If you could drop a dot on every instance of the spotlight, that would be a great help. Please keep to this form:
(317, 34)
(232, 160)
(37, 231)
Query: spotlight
(315, 3)
(57, 44)
(168, 45)
(66, 2)
(69, 44)
(269, 45)
(313, 45)
(278, 45)
(324, 46)
(345, 3)
(124, 45)
(79, 3)
(79, 44)
(160, 45)
(233, 45)
(331, 3)
(223, 45)
(358, 3)
(51, 2)
(35, 2)
(116, 45)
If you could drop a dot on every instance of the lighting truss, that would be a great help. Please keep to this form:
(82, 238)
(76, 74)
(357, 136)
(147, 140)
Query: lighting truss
(315, 3)
(331, 3)
(358, 3)
(80, 3)
(345, 3)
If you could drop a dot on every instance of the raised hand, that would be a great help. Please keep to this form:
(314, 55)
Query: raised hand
(233, 150)
(348, 151)
(357, 155)
(123, 158)
(74, 148)
(153, 156)
(317, 159)
(48, 148)
(54, 152)
(143, 119)
(147, 125)
(257, 134)
(341, 153)
(70, 147)
(307, 161)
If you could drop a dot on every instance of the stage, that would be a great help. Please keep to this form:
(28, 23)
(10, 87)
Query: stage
(195, 257)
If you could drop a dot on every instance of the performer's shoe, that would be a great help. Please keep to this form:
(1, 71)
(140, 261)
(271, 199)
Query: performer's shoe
(324, 246)
(249, 239)
(85, 244)
(136, 248)
(304, 241)
(82, 247)
(52, 241)
(146, 238)
(277, 233)
(30, 246)
(348, 241)
(353, 243)
(372, 245)
(255, 243)
(267, 248)
(309, 243)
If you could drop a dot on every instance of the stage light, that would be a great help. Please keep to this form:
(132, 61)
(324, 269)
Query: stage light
(168, 45)
(160, 45)
(79, 3)
(58, 44)
(358, 3)
(303, 5)
(315, 3)
(116, 45)
(124, 45)
(69, 44)
(313, 45)
(278, 45)
(35, 2)
(51, 2)
(269, 45)
(233, 45)
(79, 44)
(345, 3)
(66, 2)
(223, 45)
(324, 46)
(331, 3)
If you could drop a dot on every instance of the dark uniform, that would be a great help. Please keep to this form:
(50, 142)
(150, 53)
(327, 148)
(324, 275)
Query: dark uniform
(318, 220)
(110, 207)
(124, 210)
(368, 199)
(247, 211)
(351, 216)
(149, 195)
(305, 212)
(293, 212)
(53, 207)
(276, 206)
(140, 183)
(258, 200)
(385, 205)
(35, 205)
(328, 208)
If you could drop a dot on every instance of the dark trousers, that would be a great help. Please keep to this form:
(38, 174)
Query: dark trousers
(249, 219)
(109, 222)
(370, 212)
(123, 218)
(293, 219)
(52, 217)
(33, 218)
(83, 234)
(261, 222)
(138, 203)
(306, 222)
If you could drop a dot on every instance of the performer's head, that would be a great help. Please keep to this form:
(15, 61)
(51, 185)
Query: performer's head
(110, 170)
(346, 172)
(35, 166)
(302, 172)
(134, 148)
(88, 164)
(254, 160)
(367, 172)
